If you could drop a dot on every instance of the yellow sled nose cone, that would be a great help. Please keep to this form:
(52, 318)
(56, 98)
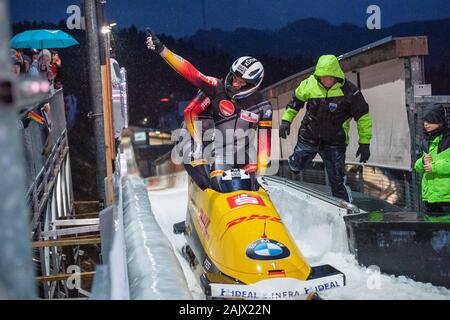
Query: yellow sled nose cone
(248, 241)
(255, 256)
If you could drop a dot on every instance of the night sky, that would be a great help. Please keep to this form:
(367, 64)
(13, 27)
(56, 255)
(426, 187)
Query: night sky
(184, 17)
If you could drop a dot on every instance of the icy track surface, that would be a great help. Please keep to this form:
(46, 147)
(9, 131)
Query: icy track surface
(320, 237)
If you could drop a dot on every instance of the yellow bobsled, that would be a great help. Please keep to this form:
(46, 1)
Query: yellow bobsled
(244, 251)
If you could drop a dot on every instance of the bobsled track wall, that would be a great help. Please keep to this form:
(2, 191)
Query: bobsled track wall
(138, 260)
(153, 271)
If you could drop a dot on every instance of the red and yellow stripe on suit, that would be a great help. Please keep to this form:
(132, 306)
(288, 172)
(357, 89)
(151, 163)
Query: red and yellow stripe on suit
(264, 145)
(189, 72)
(191, 113)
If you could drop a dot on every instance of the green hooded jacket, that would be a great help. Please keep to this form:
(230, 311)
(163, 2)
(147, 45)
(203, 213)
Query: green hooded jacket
(328, 112)
(436, 184)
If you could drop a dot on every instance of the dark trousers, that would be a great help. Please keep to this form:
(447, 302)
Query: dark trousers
(334, 161)
(437, 209)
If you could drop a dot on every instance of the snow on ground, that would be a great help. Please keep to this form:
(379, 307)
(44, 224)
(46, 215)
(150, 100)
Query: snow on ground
(321, 238)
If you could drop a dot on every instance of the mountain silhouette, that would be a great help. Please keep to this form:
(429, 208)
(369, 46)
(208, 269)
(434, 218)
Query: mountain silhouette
(313, 37)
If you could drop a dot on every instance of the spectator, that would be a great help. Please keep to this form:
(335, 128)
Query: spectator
(34, 68)
(23, 60)
(46, 112)
(434, 165)
(27, 61)
(56, 70)
(44, 59)
(15, 62)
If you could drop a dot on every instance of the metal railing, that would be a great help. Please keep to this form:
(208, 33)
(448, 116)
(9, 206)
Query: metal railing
(49, 181)
(49, 192)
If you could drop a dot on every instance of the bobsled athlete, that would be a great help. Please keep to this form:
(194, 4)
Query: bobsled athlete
(239, 113)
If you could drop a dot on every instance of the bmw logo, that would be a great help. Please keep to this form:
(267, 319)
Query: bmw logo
(266, 249)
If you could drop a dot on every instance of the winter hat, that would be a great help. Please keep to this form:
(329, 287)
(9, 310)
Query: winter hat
(45, 52)
(435, 114)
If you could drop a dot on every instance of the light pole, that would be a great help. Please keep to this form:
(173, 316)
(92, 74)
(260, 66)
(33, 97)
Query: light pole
(95, 81)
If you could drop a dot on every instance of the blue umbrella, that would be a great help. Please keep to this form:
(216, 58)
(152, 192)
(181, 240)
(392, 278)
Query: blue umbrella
(43, 39)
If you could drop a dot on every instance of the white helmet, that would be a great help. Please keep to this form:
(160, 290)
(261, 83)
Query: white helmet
(251, 71)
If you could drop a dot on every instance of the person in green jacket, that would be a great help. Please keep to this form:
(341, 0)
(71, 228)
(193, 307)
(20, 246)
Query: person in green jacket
(331, 102)
(434, 165)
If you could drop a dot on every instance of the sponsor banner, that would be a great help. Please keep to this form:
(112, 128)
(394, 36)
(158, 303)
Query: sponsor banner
(267, 249)
(268, 113)
(248, 62)
(226, 108)
(140, 136)
(205, 104)
(249, 116)
(252, 167)
(244, 199)
(252, 217)
(204, 223)
(277, 288)
(209, 80)
(235, 173)
(265, 124)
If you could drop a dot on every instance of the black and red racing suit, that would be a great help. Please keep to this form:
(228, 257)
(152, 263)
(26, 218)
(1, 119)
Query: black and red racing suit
(237, 123)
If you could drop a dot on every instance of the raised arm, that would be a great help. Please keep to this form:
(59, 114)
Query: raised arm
(181, 65)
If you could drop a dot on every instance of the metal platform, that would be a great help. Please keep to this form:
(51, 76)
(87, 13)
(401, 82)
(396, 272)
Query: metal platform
(401, 243)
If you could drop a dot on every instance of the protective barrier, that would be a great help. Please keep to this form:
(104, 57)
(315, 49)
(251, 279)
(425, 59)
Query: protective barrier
(48, 184)
(308, 207)
(153, 270)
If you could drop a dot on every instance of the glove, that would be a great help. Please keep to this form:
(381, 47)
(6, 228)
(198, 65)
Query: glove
(285, 129)
(364, 151)
(153, 42)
